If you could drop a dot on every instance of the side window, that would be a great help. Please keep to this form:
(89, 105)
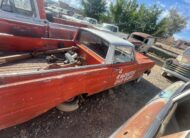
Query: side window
(6, 6)
(22, 7)
(123, 54)
(93, 42)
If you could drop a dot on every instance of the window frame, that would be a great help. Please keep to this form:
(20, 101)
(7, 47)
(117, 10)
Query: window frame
(1, 2)
(133, 54)
(34, 8)
(102, 40)
(134, 36)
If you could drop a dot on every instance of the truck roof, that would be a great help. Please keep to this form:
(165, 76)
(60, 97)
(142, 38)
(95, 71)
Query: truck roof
(110, 38)
(142, 35)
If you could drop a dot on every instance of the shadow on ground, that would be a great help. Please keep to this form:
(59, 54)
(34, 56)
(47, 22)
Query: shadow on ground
(99, 116)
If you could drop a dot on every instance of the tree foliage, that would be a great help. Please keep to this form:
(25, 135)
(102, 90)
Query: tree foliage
(94, 8)
(131, 17)
(176, 21)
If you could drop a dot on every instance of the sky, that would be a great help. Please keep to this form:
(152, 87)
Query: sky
(183, 6)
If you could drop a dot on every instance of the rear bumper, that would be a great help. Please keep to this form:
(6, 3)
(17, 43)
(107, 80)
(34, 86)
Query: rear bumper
(177, 75)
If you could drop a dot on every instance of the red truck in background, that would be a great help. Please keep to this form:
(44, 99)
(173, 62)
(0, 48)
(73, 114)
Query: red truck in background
(28, 18)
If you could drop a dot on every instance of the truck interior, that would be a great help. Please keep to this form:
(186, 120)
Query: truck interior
(180, 120)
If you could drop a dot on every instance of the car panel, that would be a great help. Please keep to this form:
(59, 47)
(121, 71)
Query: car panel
(148, 120)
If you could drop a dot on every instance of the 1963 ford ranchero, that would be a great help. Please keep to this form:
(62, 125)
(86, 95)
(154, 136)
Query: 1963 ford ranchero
(93, 62)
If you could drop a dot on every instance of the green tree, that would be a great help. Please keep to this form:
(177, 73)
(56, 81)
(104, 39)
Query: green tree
(123, 14)
(130, 16)
(94, 8)
(162, 28)
(177, 22)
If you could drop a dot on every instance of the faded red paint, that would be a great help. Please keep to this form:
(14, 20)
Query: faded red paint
(41, 9)
(135, 42)
(23, 29)
(19, 44)
(138, 125)
(146, 36)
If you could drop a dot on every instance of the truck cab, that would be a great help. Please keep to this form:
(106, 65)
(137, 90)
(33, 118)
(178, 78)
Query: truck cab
(142, 41)
(114, 29)
(110, 28)
(91, 20)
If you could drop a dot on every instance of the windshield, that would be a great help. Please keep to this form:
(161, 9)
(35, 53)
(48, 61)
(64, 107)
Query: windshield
(123, 54)
(137, 37)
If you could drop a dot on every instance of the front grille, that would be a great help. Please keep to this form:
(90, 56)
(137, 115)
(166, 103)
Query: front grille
(174, 66)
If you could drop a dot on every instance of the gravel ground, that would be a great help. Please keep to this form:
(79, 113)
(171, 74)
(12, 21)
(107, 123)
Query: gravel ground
(98, 117)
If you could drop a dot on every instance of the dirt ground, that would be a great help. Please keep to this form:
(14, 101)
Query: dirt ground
(98, 117)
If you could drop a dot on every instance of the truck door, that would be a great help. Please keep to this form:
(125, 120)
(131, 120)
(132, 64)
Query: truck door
(125, 68)
(21, 17)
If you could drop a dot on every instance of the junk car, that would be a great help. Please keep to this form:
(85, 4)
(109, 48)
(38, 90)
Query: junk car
(143, 42)
(165, 116)
(33, 83)
(179, 67)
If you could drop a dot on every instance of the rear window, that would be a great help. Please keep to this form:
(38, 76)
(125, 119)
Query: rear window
(22, 7)
(93, 42)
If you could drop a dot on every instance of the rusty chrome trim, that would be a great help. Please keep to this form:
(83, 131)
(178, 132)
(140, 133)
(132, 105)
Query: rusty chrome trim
(176, 74)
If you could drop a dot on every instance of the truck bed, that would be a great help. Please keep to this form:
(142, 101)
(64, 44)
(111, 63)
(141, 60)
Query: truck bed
(28, 65)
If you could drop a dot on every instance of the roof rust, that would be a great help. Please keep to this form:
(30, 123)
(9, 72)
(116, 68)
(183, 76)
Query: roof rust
(142, 34)
(138, 125)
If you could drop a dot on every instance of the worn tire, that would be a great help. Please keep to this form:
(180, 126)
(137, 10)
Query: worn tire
(164, 74)
(137, 80)
(69, 106)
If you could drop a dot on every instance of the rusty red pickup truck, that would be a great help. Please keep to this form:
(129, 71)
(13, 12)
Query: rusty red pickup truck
(28, 18)
(33, 83)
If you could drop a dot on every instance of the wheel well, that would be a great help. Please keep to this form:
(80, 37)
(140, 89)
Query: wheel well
(147, 72)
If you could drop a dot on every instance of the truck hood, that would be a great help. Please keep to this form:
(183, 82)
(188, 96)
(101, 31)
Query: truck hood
(135, 42)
